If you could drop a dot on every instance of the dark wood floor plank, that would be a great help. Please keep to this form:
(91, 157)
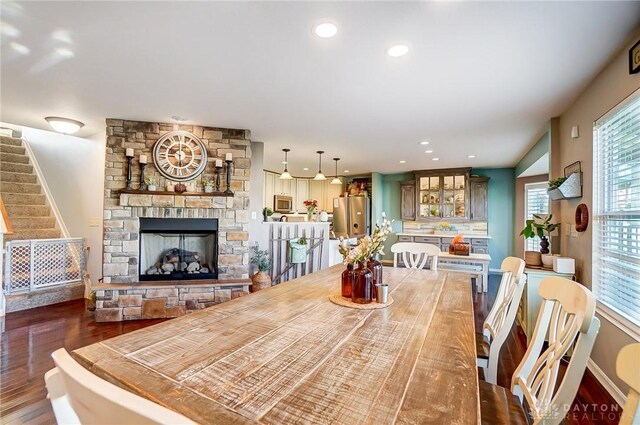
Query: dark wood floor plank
(31, 336)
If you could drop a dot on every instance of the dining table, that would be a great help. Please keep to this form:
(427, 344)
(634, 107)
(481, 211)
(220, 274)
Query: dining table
(288, 355)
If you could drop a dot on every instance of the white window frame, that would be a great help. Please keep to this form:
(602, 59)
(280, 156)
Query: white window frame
(527, 187)
(618, 319)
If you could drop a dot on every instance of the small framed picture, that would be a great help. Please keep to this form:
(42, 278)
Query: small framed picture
(634, 58)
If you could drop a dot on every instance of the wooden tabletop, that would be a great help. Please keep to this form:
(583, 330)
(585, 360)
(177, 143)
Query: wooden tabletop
(288, 355)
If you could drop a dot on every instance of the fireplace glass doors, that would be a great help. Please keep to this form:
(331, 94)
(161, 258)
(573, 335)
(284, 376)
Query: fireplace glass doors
(178, 249)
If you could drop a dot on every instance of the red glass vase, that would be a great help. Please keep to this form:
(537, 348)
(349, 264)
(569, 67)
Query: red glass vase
(375, 267)
(347, 281)
(361, 293)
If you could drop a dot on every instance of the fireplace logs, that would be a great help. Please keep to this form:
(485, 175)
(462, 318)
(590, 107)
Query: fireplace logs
(178, 260)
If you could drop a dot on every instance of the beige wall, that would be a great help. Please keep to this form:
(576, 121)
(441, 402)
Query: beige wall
(519, 219)
(609, 88)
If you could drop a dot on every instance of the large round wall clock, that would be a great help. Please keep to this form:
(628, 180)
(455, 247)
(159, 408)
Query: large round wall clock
(180, 156)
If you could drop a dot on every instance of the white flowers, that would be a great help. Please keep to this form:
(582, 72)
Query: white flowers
(368, 246)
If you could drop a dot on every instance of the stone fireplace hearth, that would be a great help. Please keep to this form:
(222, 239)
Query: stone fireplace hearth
(228, 272)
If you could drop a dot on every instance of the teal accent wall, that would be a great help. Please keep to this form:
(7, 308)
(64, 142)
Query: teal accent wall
(502, 205)
(386, 195)
(541, 147)
(378, 193)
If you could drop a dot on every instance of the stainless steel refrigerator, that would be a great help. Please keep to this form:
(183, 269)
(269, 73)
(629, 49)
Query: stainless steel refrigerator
(352, 216)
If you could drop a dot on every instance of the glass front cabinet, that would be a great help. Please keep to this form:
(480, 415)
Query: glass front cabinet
(443, 194)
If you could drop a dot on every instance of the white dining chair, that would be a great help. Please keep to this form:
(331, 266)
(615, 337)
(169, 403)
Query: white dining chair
(628, 369)
(80, 397)
(415, 255)
(566, 320)
(499, 321)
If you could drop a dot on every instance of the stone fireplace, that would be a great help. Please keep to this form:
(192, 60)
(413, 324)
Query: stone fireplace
(219, 242)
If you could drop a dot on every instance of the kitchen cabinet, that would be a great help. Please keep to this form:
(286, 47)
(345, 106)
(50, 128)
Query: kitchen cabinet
(408, 200)
(269, 189)
(531, 301)
(317, 191)
(442, 194)
(302, 194)
(479, 198)
(333, 191)
(478, 245)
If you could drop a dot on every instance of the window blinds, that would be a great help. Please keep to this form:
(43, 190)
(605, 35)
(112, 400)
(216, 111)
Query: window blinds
(537, 202)
(616, 222)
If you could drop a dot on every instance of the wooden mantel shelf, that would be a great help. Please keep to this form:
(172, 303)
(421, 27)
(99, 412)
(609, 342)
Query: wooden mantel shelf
(166, 192)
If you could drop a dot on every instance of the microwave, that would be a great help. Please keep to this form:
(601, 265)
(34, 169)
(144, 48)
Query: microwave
(282, 204)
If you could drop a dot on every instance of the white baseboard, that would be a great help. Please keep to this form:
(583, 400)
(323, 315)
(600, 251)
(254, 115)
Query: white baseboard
(607, 383)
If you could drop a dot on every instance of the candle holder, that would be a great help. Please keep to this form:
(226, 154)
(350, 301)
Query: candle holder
(218, 171)
(143, 185)
(129, 158)
(229, 191)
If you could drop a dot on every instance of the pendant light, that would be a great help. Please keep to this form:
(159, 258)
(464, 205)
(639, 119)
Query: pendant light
(285, 174)
(336, 180)
(320, 176)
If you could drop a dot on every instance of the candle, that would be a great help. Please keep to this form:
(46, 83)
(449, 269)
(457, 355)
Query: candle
(143, 159)
(228, 157)
(129, 152)
(218, 163)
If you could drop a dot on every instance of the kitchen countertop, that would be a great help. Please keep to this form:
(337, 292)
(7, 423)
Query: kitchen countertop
(444, 235)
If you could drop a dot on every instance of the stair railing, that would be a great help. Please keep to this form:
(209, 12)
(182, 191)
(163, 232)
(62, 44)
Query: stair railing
(45, 189)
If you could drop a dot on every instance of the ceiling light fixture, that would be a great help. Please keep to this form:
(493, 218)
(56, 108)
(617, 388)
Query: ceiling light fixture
(435, 159)
(402, 161)
(471, 156)
(306, 168)
(424, 142)
(428, 151)
(319, 176)
(398, 50)
(346, 171)
(326, 30)
(336, 179)
(64, 125)
(285, 174)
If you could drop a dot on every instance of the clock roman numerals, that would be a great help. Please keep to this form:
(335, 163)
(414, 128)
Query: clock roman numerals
(180, 156)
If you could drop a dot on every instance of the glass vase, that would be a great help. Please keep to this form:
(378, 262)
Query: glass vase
(361, 293)
(347, 281)
(375, 267)
(309, 215)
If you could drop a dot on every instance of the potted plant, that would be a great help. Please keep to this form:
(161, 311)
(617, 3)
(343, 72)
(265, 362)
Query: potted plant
(208, 185)
(312, 206)
(542, 228)
(261, 279)
(151, 184)
(266, 213)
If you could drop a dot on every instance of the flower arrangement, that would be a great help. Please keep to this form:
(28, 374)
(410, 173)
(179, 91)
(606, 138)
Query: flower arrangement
(312, 206)
(368, 246)
(208, 182)
(150, 181)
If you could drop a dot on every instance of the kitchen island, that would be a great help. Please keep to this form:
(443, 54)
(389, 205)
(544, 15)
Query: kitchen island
(288, 355)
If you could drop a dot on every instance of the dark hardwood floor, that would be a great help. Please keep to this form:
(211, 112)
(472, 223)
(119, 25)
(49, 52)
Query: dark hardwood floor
(31, 336)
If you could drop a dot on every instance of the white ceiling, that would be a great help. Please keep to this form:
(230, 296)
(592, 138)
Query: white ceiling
(480, 78)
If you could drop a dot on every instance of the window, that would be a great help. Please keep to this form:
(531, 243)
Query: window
(616, 205)
(536, 202)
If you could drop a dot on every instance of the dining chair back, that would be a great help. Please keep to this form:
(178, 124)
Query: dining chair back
(628, 369)
(500, 319)
(73, 389)
(415, 255)
(566, 320)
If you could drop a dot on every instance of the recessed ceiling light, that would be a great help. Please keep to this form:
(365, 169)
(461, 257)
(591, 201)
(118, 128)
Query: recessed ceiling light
(306, 168)
(64, 125)
(178, 118)
(65, 52)
(325, 30)
(402, 161)
(346, 171)
(435, 159)
(398, 50)
(471, 156)
(428, 151)
(424, 142)
(20, 48)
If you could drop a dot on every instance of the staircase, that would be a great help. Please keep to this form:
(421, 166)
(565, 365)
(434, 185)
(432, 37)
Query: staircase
(22, 195)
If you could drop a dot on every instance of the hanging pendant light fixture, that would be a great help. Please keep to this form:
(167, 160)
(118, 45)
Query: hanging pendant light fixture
(336, 179)
(320, 176)
(285, 174)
